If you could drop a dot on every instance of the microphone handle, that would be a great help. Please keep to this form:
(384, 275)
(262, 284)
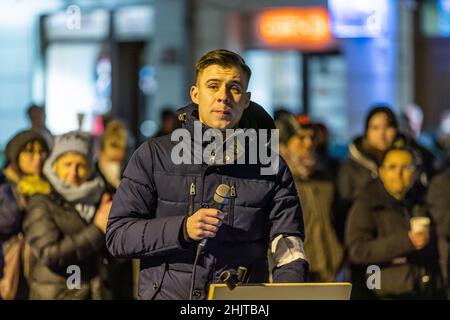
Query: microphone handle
(218, 206)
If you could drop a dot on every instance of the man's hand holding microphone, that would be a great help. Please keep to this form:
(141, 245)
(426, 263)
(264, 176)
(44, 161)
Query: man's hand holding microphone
(205, 222)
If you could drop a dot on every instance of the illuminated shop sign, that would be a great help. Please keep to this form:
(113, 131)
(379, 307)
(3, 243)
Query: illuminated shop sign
(357, 19)
(295, 27)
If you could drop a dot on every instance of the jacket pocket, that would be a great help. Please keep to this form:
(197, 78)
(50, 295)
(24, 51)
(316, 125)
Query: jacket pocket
(151, 281)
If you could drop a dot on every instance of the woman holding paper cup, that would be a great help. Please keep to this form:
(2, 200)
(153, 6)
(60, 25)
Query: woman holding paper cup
(389, 229)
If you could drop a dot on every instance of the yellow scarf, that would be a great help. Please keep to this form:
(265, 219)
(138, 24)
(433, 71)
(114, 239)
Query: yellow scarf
(27, 185)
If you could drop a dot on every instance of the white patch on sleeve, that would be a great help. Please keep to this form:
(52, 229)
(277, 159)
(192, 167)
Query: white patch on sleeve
(285, 249)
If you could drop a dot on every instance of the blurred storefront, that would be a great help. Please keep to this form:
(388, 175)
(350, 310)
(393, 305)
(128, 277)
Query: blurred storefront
(128, 64)
(86, 59)
(82, 54)
(330, 59)
(297, 64)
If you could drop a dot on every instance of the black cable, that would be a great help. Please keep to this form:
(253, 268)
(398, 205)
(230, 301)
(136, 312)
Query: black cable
(194, 269)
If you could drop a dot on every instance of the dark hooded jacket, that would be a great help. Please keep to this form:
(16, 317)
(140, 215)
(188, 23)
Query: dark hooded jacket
(155, 197)
(355, 173)
(65, 243)
(377, 234)
(11, 213)
(361, 168)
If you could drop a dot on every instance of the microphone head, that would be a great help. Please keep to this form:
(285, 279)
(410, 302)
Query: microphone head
(222, 195)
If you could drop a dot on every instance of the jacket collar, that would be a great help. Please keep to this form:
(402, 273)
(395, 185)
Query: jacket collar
(189, 118)
(376, 196)
(360, 154)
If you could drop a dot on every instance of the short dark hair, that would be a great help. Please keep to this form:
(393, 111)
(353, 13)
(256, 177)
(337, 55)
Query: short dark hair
(223, 58)
(34, 107)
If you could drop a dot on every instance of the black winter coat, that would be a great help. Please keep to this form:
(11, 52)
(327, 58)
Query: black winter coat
(155, 197)
(377, 234)
(361, 168)
(59, 238)
(357, 171)
(354, 174)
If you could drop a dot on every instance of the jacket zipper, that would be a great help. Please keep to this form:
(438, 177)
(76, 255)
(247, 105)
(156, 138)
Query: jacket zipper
(233, 195)
(192, 193)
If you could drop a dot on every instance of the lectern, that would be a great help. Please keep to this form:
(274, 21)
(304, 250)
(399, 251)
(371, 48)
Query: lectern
(282, 291)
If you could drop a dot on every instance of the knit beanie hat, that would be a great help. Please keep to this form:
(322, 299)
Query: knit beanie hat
(18, 143)
(88, 194)
(289, 125)
(75, 141)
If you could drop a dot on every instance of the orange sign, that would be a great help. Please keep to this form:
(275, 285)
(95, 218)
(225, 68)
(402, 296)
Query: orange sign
(287, 26)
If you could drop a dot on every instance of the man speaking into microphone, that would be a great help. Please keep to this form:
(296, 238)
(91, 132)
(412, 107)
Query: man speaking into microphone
(189, 217)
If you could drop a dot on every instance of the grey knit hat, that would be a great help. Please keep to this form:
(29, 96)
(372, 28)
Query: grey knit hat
(74, 141)
(88, 192)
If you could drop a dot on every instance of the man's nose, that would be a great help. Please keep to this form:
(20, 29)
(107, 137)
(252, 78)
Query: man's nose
(399, 173)
(222, 95)
(73, 173)
(309, 142)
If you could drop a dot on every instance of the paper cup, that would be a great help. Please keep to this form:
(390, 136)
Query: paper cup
(419, 224)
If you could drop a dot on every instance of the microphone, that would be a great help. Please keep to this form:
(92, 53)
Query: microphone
(221, 199)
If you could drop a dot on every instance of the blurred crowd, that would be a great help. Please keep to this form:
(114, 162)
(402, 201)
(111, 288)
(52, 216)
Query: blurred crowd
(386, 205)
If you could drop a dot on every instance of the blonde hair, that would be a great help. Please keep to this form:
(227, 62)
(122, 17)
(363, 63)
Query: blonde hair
(115, 135)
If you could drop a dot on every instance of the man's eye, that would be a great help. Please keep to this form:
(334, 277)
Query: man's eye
(236, 89)
(213, 86)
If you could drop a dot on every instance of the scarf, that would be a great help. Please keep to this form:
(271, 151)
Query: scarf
(85, 197)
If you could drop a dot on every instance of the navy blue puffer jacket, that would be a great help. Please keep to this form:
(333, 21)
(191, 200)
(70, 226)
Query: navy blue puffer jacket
(155, 196)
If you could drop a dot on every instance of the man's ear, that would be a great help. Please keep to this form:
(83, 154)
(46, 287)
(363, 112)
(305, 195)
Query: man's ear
(247, 96)
(194, 94)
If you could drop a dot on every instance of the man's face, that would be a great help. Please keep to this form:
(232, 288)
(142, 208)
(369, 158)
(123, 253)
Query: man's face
(113, 152)
(303, 143)
(397, 172)
(221, 96)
